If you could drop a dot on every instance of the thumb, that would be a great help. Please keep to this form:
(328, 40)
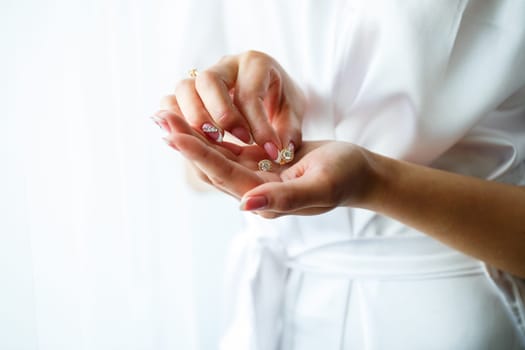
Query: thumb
(288, 127)
(299, 193)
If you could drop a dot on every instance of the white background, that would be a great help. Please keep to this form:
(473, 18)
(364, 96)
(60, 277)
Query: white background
(102, 245)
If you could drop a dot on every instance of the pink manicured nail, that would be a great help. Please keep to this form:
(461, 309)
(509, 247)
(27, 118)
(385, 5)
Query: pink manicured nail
(242, 134)
(272, 151)
(212, 132)
(162, 123)
(254, 203)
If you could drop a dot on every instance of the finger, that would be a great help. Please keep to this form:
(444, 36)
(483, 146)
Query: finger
(286, 116)
(195, 177)
(178, 125)
(169, 103)
(253, 82)
(213, 87)
(221, 171)
(194, 111)
(307, 191)
(289, 128)
(199, 181)
(267, 214)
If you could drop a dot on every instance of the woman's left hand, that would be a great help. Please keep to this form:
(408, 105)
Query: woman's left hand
(325, 174)
(461, 211)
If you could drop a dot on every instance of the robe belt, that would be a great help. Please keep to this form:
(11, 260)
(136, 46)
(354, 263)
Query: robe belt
(387, 258)
(260, 265)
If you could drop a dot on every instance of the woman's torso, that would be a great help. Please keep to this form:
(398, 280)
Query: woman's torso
(436, 83)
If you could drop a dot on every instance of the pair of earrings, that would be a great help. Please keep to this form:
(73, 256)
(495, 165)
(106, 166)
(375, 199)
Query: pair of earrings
(285, 156)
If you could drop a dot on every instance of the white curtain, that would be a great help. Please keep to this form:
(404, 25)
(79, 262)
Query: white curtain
(102, 245)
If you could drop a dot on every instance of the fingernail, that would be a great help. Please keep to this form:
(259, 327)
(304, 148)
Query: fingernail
(253, 203)
(272, 151)
(169, 143)
(162, 123)
(212, 132)
(242, 134)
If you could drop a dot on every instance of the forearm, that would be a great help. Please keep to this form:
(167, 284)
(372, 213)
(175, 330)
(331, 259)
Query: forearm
(483, 219)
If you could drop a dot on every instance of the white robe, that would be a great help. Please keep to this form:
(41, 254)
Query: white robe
(440, 83)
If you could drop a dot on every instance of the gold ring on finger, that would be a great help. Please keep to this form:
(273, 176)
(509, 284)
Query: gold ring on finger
(193, 73)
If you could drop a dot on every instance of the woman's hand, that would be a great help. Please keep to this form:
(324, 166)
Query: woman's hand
(249, 95)
(325, 174)
(227, 166)
(482, 218)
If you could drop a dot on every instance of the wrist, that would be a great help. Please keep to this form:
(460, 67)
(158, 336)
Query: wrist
(381, 174)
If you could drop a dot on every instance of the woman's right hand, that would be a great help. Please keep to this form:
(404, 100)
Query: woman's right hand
(249, 95)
